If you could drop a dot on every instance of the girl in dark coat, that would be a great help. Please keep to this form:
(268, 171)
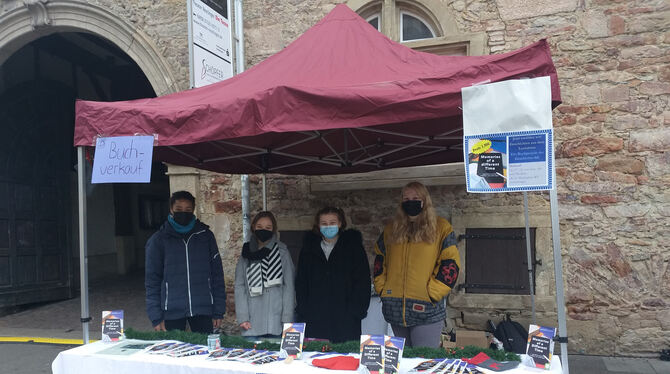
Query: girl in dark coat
(333, 280)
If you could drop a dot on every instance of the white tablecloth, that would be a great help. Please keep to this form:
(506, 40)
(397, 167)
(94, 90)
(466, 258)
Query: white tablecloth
(85, 359)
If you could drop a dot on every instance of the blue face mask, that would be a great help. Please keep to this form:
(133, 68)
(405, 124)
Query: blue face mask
(329, 232)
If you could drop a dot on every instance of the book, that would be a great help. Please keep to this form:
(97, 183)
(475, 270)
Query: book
(272, 357)
(540, 346)
(250, 355)
(189, 350)
(174, 348)
(219, 354)
(235, 353)
(162, 346)
(292, 337)
(427, 365)
(112, 326)
(372, 353)
(393, 347)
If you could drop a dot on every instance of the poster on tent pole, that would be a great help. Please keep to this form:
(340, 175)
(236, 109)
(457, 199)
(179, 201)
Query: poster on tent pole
(508, 136)
(210, 42)
(123, 159)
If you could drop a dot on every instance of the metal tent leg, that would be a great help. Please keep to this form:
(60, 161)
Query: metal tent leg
(246, 220)
(558, 273)
(265, 193)
(83, 250)
(531, 274)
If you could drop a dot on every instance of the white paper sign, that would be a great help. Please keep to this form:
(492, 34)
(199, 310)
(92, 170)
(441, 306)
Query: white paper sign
(212, 41)
(123, 159)
(508, 136)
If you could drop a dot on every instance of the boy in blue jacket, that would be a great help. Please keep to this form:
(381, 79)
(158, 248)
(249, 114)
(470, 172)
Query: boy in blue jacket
(184, 275)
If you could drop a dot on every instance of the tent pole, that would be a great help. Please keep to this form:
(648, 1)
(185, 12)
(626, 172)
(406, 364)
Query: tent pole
(531, 276)
(83, 250)
(239, 36)
(245, 207)
(189, 15)
(265, 192)
(239, 61)
(558, 274)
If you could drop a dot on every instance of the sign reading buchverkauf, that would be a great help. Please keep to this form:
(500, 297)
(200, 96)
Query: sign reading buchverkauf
(123, 159)
(508, 136)
(212, 41)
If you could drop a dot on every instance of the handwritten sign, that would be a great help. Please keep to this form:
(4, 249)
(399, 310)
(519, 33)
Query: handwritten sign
(123, 159)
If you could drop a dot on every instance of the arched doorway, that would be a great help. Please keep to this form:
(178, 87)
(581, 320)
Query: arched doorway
(39, 84)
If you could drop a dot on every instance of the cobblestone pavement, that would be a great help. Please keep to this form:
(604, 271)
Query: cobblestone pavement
(61, 319)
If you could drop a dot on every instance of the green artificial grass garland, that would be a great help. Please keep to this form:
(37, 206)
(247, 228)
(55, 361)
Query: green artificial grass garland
(229, 341)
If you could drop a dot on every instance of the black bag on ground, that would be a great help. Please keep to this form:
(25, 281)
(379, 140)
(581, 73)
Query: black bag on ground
(512, 335)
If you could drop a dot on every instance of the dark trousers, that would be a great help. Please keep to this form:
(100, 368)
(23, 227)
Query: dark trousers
(420, 335)
(201, 324)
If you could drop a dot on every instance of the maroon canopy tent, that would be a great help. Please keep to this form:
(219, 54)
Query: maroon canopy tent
(342, 98)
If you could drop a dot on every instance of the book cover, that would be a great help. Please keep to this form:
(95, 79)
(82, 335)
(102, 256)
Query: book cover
(372, 353)
(291, 339)
(393, 347)
(540, 346)
(112, 326)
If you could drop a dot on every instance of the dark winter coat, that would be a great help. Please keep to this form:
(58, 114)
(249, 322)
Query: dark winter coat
(333, 294)
(183, 275)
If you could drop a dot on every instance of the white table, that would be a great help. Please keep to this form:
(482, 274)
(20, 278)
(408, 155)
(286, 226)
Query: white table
(85, 359)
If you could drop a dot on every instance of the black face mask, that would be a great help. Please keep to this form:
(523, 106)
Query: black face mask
(412, 207)
(183, 218)
(263, 235)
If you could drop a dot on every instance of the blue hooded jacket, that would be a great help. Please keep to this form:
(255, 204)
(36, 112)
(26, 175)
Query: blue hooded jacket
(183, 275)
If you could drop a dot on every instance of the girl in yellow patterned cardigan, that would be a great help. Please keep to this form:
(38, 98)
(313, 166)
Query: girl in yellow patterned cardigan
(416, 266)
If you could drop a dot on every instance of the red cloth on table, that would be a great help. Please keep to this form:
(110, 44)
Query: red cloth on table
(337, 363)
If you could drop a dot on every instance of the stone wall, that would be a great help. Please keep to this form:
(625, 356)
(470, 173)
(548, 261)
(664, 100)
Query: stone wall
(164, 23)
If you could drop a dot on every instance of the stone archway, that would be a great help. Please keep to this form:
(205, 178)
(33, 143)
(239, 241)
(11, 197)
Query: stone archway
(23, 21)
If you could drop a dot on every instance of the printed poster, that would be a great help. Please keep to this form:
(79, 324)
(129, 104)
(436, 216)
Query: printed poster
(509, 162)
(112, 326)
(372, 353)
(393, 347)
(508, 139)
(212, 41)
(291, 339)
(540, 346)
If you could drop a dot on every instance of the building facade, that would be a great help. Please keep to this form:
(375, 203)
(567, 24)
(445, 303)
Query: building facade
(612, 150)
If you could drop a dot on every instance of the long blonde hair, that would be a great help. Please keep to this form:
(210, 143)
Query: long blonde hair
(424, 226)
